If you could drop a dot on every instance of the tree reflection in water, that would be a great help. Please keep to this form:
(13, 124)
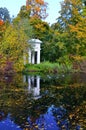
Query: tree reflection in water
(61, 104)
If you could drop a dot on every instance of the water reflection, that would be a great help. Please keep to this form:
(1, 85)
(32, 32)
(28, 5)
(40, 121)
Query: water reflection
(53, 102)
(48, 120)
(6, 123)
(33, 85)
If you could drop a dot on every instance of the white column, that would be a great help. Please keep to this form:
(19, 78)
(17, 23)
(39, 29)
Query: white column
(37, 87)
(29, 56)
(29, 84)
(38, 84)
(38, 57)
(33, 57)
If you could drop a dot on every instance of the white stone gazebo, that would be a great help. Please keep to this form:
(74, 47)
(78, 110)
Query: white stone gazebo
(34, 51)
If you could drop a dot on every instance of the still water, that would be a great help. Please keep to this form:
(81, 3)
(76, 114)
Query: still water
(47, 102)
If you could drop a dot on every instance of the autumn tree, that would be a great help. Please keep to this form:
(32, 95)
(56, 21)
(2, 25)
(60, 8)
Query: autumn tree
(13, 46)
(68, 37)
(72, 24)
(41, 29)
(37, 8)
(4, 21)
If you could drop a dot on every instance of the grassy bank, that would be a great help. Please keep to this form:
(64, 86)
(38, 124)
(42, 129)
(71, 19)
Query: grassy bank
(47, 67)
(63, 65)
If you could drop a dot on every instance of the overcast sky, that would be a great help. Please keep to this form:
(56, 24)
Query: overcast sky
(13, 7)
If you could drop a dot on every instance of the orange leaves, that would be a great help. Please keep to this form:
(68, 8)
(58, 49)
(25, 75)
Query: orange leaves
(28, 7)
(37, 8)
(41, 2)
(1, 22)
(2, 29)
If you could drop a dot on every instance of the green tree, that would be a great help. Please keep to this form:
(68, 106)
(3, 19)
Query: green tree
(24, 13)
(25, 24)
(54, 48)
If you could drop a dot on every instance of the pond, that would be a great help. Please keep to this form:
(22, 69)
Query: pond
(47, 102)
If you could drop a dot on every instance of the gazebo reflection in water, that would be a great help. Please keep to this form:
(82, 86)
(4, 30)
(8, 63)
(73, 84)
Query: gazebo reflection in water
(33, 85)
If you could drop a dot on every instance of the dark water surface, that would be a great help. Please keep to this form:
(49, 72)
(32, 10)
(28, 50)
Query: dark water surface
(49, 102)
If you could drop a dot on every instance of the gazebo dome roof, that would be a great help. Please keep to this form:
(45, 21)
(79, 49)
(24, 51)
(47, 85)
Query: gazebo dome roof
(35, 41)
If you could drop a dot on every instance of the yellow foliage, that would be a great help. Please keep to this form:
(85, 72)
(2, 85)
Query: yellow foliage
(77, 57)
(19, 66)
(13, 46)
(40, 27)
